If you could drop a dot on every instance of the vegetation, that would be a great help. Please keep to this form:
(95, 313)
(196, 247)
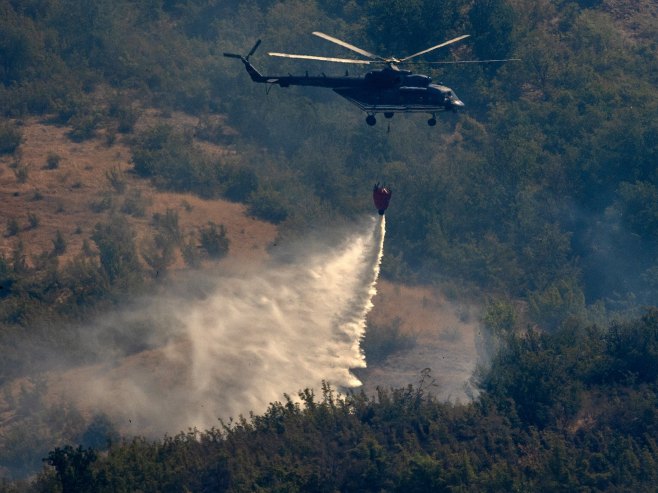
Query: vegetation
(52, 160)
(12, 227)
(547, 177)
(59, 244)
(545, 422)
(214, 240)
(544, 191)
(381, 341)
(10, 138)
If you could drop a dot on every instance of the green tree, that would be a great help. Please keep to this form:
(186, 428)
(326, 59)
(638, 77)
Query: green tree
(74, 468)
(115, 241)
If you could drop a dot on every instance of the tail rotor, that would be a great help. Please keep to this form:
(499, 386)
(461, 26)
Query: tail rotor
(244, 58)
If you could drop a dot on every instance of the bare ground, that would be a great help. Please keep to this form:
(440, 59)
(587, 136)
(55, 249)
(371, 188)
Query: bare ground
(445, 333)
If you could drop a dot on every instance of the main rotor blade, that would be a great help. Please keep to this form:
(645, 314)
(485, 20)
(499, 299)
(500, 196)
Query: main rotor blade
(446, 43)
(322, 58)
(348, 46)
(468, 61)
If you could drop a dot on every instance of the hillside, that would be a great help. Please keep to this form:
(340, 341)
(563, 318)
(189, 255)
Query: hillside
(93, 180)
(70, 198)
(133, 153)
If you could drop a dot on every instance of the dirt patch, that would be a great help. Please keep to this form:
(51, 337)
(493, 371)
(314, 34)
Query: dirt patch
(445, 336)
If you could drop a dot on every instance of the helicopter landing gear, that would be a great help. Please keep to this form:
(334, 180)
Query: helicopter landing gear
(432, 121)
(388, 114)
(371, 120)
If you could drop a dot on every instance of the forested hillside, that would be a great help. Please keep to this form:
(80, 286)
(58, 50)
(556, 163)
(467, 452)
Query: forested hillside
(544, 188)
(542, 194)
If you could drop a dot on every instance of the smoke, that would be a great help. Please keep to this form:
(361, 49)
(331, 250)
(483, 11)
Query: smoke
(230, 343)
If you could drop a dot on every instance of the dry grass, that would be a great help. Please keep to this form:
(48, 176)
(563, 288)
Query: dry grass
(65, 194)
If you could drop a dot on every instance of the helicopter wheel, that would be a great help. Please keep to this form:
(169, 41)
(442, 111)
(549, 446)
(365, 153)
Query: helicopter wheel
(371, 120)
(388, 114)
(432, 121)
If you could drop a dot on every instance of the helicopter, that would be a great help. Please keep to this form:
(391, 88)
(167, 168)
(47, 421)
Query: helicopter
(388, 90)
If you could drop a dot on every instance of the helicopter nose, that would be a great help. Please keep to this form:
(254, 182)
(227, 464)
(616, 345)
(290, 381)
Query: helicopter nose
(457, 104)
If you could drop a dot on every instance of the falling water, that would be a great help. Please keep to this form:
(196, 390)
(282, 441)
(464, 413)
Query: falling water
(249, 338)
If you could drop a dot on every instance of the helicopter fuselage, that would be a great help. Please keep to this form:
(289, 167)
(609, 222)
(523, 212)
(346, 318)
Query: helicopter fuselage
(389, 90)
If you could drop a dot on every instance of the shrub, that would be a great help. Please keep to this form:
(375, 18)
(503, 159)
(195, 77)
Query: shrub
(116, 179)
(380, 341)
(499, 316)
(22, 172)
(214, 240)
(59, 244)
(115, 241)
(33, 220)
(173, 161)
(12, 227)
(52, 161)
(168, 226)
(84, 127)
(10, 138)
(239, 183)
(268, 205)
(127, 117)
(159, 254)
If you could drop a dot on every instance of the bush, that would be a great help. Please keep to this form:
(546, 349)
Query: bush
(268, 205)
(33, 220)
(214, 240)
(172, 160)
(84, 127)
(10, 138)
(53, 160)
(115, 241)
(168, 226)
(126, 116)
(239, 183)
(22, 172)
(116, 179)
(59, 244)
(380, 341)
(12, 227)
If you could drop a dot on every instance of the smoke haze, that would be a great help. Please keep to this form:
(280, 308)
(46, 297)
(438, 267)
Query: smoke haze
(232, 343)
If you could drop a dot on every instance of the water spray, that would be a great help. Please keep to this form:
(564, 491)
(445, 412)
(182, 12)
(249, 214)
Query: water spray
(250, 338)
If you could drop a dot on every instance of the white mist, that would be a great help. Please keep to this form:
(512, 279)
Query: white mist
(251, 338)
